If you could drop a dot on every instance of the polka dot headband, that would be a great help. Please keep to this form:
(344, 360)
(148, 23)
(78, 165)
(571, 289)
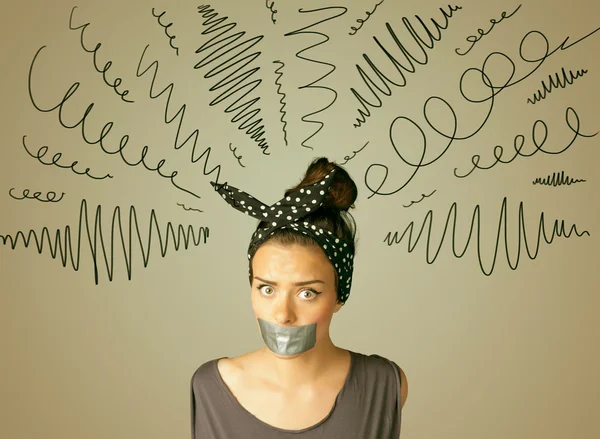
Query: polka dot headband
(289, 213)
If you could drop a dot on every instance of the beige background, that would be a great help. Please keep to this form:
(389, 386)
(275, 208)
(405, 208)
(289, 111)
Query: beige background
(514, 353)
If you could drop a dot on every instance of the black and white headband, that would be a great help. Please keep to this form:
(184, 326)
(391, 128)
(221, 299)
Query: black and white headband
(289, 212)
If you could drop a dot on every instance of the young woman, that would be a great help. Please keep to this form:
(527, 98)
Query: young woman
(300, 384)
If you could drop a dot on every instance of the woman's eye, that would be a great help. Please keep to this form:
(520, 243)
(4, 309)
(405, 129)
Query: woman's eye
(266, 289)
(310, 292)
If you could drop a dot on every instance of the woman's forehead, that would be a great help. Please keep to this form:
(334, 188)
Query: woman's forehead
(288, 259)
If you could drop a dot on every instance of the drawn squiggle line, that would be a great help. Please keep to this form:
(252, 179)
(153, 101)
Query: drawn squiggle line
(189, 208)
(50, 196)
(69, 247)
(560, 83)
(239, 158)
(559, 229)
(348, 158)
(55, 160)
(422, 198)
(180, 113)
(279, 74)
(361, 21)
(224, 40)
(271, 7)
(324, 40)
(171, 37)
(557, 179)
(385, 89)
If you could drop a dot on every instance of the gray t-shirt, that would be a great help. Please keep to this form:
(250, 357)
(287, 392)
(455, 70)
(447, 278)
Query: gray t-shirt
(367, 407)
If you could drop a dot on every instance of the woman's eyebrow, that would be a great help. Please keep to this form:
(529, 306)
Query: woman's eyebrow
(298, 284)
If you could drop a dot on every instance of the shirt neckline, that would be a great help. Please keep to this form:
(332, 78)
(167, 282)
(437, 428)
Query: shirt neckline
(283, 430)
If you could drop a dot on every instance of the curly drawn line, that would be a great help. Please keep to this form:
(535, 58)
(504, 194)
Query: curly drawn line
(69, 245)
(324, 40)
(422, 198)
(189, 208)
(361, 21)
(557, 179)
(50, 196)
(538, 143)
(558, 229)
(271, 7)
(385, 89)
(560, 83)
(55, 160)
(279, 74)
(108, 64)
(232, 61)
(239, 158)
(473, 39)
(171, 38)
(348, 158)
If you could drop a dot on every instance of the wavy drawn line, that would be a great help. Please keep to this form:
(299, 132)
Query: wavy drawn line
(108, 64)
(559, 229)
(239, 158)
(559, 83)
(473, 39)
(55, 160)
(348, 158)
(324, 40)
(364, 112)
(422, 198)
(171, 38)
(104, 132)
(50, 196)
(271, 7)
(279, 74)
(69, 246)
(361, 21)
(538, 143)
(229, 56)
(557, 179)
(180, 113)
(189, 208)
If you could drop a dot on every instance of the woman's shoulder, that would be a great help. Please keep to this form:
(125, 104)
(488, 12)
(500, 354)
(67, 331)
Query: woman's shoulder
(377, 366)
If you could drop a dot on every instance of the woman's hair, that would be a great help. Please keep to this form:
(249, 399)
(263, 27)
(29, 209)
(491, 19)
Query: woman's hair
(333, 215)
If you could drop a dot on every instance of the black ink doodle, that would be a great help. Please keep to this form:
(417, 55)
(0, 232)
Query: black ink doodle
(44, 150)
(69, 244)
(361, 21)
(473, 39)
(108, 64)
(103, 133)
(557, 179)
(348, 158)
(50, 196)
(229, 56)
(304, 30)
(189, 208)
(482, 78)
(560, 83)
(171, 37)
(271, 7)
(282, 111)
(538, 143)
(239, 158)
(180, 113)
(385, 89)
(423, 196)
(559, 229)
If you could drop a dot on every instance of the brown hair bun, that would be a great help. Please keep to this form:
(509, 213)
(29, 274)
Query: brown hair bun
(342, 192)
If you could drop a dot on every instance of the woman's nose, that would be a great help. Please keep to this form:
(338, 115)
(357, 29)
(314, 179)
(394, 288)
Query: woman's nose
(284, 311)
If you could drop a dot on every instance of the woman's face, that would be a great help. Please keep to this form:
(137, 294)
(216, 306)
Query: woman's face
(294, 286)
